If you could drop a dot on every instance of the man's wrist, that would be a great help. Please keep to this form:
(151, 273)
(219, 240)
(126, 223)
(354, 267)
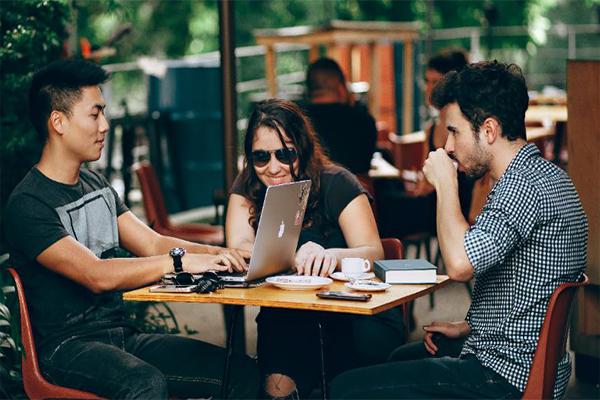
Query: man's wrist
(177, 254)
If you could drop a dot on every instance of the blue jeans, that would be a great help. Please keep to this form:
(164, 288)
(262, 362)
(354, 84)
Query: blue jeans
(431, 378)
(412, 373)
(124, 364)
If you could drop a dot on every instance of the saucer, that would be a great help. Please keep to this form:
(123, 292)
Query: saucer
(299, 282)
(340, 276)
(368, 286)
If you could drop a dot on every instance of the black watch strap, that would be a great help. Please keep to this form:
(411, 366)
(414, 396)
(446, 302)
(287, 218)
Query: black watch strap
(177, 264)
(176, 253)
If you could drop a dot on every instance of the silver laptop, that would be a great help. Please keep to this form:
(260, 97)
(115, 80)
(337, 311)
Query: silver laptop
(276, 237)
(278, 232)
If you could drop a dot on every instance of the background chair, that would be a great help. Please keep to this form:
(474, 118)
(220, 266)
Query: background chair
(158, 218)
(552, 342)
(393, 250)
(34, 382)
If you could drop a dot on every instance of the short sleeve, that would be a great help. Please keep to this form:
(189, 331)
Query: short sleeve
(236, 187)
(505, 222)
(31, 226)
(339, 187)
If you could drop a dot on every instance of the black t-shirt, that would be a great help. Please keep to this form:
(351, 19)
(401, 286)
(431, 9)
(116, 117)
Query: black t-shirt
(40, 212)
(338, 188)
(348, 134)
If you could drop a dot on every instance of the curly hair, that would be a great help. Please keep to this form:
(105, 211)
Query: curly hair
(285, 118)
(487, 89)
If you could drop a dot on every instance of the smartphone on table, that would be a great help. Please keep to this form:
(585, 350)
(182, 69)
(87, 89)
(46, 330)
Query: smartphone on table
(174, 289)
(344, 295)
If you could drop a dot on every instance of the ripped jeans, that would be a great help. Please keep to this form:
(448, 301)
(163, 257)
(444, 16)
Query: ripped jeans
(120, 363)
(429, 378)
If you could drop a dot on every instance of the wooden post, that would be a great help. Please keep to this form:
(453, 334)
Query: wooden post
(583, 105)
(313, 53)
(345, 60)
(373, 80)
(407, 88)
(332, 51)
(270, 66)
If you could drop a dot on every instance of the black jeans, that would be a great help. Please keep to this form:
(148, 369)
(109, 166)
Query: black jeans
(288, 343)
(120, 363)
(421, 376)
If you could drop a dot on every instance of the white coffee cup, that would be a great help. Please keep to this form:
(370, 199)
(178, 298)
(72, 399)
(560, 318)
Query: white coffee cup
(354, 268)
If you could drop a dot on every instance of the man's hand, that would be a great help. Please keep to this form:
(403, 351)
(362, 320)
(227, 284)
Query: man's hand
(236, 258)
(198, 263)
(439, 168)
(453, 330)
(313, 259)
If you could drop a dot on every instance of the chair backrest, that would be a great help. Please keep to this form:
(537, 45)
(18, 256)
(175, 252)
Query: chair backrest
(392, 248)
(34, 382)
(154, 204)
(552, 341)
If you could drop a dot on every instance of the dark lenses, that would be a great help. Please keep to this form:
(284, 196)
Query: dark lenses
(260, 158)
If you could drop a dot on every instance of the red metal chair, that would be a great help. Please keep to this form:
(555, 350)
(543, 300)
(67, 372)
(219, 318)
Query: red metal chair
(552, 342)
(34, 382)
(393, 250)
(158, 218)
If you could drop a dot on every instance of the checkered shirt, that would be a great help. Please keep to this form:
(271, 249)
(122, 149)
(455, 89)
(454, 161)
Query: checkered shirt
(530, 237)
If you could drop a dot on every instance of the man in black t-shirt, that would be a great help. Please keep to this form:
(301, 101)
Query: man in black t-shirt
(347, 131)
(64, 225)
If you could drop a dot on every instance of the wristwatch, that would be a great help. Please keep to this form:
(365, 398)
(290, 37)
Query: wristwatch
(176, 253)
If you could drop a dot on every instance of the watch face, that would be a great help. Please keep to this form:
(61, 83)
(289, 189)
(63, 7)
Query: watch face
(177, 252)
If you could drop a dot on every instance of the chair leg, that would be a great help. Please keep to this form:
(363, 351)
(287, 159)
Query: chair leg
(436, 262)
(234, 312)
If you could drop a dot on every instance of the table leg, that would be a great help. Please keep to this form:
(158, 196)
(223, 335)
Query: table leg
(234, 312)
(322, 351)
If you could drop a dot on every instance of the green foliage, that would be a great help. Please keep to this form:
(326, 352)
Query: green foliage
(150, 317)
(33, 32)
(10, 339)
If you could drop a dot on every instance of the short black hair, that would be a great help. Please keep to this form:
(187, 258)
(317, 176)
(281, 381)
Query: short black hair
(323, 74)
(57, 86)
(487, 89)
(448, 60)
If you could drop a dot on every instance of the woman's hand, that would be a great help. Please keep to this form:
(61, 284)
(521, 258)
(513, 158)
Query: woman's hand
(453, 330)
(313, 259)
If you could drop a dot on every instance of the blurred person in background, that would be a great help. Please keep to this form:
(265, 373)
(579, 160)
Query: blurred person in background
(345, 128)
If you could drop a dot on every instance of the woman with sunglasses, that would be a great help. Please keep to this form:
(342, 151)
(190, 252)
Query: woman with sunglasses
(280, 147)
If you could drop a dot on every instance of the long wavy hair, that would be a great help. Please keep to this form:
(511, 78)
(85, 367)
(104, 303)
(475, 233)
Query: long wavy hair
(284, 117)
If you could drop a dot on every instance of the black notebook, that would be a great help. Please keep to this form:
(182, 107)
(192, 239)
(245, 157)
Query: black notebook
(405, 271)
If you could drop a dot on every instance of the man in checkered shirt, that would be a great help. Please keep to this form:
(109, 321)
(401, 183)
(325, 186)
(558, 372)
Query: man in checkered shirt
(530, 237)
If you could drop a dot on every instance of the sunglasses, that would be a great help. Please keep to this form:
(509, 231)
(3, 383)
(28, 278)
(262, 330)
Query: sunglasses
(184, 278)
(209, 282)
(260, 158)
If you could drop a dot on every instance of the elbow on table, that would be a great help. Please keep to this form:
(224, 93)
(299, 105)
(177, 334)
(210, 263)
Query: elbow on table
(460, 270)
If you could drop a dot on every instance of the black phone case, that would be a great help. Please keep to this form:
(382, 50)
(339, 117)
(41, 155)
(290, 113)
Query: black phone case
(357, 297)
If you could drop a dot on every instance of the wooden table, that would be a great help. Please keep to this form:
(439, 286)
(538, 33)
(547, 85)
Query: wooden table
(544, 114)
(270, 296)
